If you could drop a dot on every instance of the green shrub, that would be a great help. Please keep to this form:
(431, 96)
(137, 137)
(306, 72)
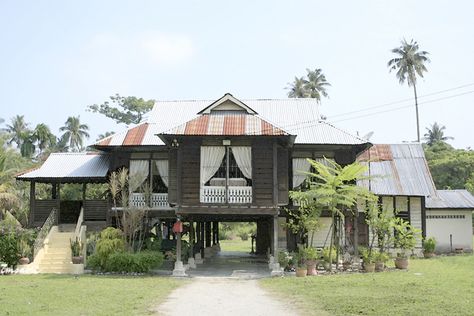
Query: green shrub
(110, 241)
(429, 245)
(141, 262)
(243, 234)
(224, 234)
(9, 249)
(325, 254)
(93, 263)
(310, 253)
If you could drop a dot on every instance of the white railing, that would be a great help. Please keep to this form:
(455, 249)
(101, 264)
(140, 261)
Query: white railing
(44, 231)
(158, 200)
(235, 194)
(80, 220)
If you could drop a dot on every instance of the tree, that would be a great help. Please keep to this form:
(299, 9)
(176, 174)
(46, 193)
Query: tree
(126, 110)
(333, 188)
(43, 136)
(435, 134)
(17, 130)
(74, 133)
(312, 86)
(105, 135)
(409, 63)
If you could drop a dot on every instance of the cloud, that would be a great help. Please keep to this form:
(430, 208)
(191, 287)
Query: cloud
(167, 49)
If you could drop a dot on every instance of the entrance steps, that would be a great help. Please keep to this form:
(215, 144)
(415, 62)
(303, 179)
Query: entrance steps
(56, 257)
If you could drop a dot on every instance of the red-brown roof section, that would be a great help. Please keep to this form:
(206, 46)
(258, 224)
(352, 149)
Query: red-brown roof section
(380, 152)
(135, 135)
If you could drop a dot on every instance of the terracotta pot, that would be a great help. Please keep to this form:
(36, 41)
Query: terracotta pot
(77, 260)
(311, 267)
(428, 255)
(401, 263)
(369, 267)
(379, 266)
(301, 271)
(24, 260)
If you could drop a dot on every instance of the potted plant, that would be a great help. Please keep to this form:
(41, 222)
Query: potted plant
(310, 257)
(429, 247)
(24, 250)
(76, 251)
(380, 259)
(368, 258)
(405, 239)
(325, 255)
(301, 269)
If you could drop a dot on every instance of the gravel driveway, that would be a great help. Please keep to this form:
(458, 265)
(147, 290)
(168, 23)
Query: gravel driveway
(222, 296)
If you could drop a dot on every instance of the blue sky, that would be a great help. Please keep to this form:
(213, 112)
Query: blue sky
(57, 57)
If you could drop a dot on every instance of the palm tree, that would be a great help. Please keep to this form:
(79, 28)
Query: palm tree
(297, 89)
(435, 134)
(104, 135)
(43, 136)
(313, 85)
(17, 130)
(316, 84)
(74, 133)
(409, 63)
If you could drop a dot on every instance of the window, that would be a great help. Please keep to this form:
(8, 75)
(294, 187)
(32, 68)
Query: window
(226, 174)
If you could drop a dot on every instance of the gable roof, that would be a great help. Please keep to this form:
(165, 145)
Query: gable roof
(296, 116)
(227, 98)
(451, 199)
(398, 169)
(227, 125)
(70, 166)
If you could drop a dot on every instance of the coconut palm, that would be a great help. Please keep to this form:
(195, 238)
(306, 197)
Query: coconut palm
(297, 89)
(17, 130)
(313, 85)
(43, 136)
(435, 134)
(74, 133)
(316, 84)
(409, 63)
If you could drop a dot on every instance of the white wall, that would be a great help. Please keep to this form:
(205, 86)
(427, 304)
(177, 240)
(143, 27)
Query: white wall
(415, 215)
(446, 223)
(320, 236)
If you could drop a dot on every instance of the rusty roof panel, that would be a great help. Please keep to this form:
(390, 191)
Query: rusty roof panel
(226, 124)
(406, 173)
(135, 135)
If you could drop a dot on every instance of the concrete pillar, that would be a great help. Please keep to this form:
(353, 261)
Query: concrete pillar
(202, 239)
(179, 270)
(275, 265)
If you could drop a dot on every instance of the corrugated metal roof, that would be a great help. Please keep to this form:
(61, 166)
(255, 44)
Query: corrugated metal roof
(399, 169)
(226, 124)
(70, 165)
(296, 116)
(451, 199)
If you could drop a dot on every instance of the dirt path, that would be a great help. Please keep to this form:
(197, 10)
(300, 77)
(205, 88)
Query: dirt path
(222, 296)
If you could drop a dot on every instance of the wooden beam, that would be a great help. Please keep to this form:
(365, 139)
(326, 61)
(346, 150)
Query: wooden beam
(275, 174)
(31, 216)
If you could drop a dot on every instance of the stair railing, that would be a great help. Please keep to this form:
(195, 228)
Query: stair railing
(44, 231)
(80, 220)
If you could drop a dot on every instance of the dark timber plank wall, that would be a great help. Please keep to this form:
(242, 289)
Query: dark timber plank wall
(43, 208)
(283, 182)
(172, 198)
(190, 173)
(95, 210)
(262, 180)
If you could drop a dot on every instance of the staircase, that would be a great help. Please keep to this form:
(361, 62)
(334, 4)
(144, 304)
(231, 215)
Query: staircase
(56, 257)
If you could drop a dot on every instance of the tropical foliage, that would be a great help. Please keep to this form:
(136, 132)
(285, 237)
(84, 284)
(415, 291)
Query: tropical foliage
(126, 110)
(435, 134)
(313, 85)
(74, 133)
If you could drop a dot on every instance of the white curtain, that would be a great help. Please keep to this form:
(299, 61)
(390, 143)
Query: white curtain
(162, 166)
(243, 157)
(211, 159)
(300, 166)
(139, 171)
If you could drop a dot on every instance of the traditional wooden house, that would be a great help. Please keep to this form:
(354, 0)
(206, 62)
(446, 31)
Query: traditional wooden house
(228, 160)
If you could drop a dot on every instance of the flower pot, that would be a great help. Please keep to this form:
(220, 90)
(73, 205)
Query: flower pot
(428, 255)
(369, 267)
(311, 267)
(401, 263)
(78, 260)
(301, 271)
(24, 260)
(379, 266)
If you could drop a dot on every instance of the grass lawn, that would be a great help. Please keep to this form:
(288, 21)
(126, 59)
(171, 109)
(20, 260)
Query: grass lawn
(236, 245)
(439, 286)
(85, 295)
